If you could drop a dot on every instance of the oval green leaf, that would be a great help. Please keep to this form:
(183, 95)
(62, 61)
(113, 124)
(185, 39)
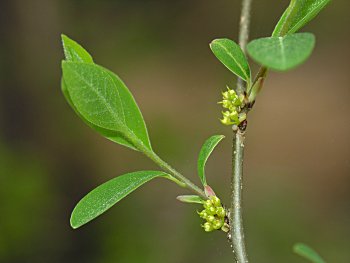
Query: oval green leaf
(195, 199)
(108, 194)
(103, 100)
(204, 154)
(297, 15)
(282, 53)
(75, 52)
(307, 253)
(108, 134)
(232, 56)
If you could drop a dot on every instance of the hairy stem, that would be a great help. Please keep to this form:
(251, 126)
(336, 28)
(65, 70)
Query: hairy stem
(236, 218)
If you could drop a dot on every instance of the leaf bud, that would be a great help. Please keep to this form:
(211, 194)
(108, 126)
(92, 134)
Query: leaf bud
(225, 228)
(242, 117)
(209, 191)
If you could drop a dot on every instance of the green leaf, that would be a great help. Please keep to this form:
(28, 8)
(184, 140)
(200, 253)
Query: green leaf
(297, 15)
(204, 154)
(75, 52)
(307, 253)
(103, 100)
(134, 120)
(110, 135)
(108, 194)
(190, 199)
(282, 53)
(232, 56)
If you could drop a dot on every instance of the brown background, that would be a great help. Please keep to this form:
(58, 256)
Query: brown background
(297, 154)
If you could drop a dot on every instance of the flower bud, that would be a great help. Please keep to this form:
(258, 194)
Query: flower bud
(211, 210)
(234, 104)
(226, 104)
(231, 94)
(208, 227)
(216, 201)
(226, 121)
(226, 95)
(203, 214)
(220, 211)
(217, 224)
(207, 204)
(210, 218)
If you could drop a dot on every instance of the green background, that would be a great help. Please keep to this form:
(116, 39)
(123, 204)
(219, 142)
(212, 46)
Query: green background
(297, 153)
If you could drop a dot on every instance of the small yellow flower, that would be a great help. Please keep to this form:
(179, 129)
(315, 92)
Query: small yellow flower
(233, 105)
(214, 214)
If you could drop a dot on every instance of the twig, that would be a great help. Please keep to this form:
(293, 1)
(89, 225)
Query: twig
(244, 25)
(236, 218)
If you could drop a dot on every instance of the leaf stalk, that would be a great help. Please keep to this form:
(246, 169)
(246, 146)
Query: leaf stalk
(184, 181)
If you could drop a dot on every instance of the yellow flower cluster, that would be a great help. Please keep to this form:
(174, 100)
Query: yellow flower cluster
(214, 214)
(233, 104)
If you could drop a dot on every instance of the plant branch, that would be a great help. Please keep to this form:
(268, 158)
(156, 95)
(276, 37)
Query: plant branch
(236, 218)
(244, 25)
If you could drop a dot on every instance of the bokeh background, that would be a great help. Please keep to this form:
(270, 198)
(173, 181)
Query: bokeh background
(297, 184)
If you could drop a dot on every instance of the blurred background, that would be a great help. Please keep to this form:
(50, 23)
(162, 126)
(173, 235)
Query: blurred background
(297, 185)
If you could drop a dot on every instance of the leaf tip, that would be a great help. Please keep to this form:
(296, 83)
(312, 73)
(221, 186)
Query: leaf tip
(64, 39)
(211, 44)
(73, 222)
(307, 252)
(74, 226)
(63, 36)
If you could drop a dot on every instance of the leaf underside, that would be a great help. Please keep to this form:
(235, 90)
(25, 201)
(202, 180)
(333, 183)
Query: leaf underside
(282, 53)
(108, 194)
